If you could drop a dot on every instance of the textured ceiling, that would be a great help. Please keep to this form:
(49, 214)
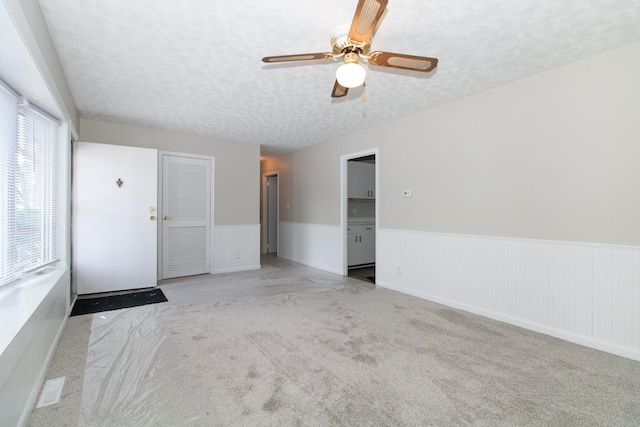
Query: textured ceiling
(195, 66)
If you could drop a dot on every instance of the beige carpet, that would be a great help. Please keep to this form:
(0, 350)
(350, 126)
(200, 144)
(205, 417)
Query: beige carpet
(290, 345)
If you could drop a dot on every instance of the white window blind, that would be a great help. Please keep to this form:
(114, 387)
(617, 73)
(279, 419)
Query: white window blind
(29, 182)
(8, 114)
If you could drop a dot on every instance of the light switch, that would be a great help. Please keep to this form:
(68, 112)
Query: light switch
(407, 193)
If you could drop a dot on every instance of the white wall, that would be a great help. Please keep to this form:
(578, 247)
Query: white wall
(236, 248)
(34, 325)
(315, 245)
(584, 293)
(549, 158)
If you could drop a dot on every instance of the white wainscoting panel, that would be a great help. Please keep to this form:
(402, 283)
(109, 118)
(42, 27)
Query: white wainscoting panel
(236, 248)
(581, 292)
(315, 245)
(39, 311)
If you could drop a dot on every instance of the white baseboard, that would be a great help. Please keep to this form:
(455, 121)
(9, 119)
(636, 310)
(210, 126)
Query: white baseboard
(237, 269)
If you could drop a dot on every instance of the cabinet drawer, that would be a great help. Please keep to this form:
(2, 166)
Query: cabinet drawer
(360, 228)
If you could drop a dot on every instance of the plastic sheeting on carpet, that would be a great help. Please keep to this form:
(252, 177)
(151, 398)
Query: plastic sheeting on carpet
(133, 370)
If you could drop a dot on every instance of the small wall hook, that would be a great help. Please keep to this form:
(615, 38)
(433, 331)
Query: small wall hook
(119, 183)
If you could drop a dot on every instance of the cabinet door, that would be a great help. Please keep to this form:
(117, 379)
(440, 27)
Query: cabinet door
(361, 180)
(361, 245)
(368, 245)
(354, 253)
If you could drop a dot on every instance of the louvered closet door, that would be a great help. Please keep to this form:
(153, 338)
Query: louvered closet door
(186, 216)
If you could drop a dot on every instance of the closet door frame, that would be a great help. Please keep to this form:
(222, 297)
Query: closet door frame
(161, 211)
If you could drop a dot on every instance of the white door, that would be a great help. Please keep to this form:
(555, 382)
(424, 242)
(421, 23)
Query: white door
(115, 231)
(272, 214)
(186, 215)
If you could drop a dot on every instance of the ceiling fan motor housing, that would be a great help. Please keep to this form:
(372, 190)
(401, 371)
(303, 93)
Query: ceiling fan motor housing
(342, 44)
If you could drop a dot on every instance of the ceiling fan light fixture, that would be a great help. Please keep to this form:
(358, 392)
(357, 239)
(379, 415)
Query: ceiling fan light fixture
(353, 43)
(351, 75)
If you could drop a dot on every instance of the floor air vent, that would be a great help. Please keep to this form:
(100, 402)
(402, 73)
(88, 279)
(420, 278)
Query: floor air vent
(51, 392)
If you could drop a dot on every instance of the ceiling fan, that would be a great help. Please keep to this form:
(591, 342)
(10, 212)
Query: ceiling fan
(355, 45)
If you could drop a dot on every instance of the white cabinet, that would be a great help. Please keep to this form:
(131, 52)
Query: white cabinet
(361, 180)
(361, 245)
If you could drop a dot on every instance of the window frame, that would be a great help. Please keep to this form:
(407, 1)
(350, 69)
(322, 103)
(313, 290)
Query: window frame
(37, 245)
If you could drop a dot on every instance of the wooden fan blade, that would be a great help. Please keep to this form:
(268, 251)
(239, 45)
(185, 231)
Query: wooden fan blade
(404, 62)
(368, 13)
(339, 91)
(301, 57)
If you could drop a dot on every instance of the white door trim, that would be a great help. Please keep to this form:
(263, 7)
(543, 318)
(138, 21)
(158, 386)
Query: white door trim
(344, 217)
(265, 195)
(161, 155)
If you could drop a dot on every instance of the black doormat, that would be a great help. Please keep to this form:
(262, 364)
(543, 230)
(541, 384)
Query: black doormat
(116, 302)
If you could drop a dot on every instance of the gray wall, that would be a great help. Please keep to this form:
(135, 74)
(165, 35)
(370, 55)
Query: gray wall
(237, 165)
(552, 156)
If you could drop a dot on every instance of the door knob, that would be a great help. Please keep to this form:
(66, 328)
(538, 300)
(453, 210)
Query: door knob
(151, 209)
(165, 218)
(152, 218)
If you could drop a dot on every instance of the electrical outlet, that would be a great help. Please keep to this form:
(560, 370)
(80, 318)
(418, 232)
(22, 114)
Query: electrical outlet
(398, 270)
(237, 254)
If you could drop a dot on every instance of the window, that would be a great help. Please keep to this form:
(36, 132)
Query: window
(28, 188)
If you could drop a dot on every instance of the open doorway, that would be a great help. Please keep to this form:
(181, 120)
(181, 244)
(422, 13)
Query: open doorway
(270, 214)
(360, 215)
